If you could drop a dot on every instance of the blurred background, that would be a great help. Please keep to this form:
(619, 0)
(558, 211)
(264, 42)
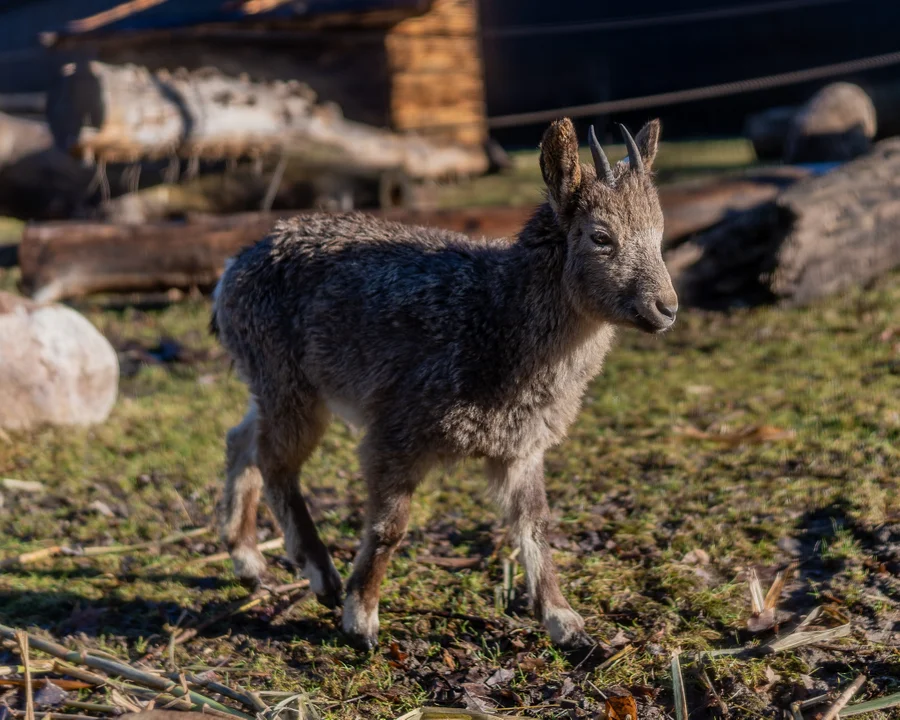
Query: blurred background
(157, 91)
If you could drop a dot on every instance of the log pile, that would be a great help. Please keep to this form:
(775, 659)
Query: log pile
(126, 113)
(789, 238)
(66, 259)
(820, 236)
(436, 74)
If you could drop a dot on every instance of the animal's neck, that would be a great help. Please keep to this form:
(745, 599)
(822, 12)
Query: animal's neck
(551, 329)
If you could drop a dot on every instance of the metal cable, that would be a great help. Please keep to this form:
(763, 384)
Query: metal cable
(702, 93)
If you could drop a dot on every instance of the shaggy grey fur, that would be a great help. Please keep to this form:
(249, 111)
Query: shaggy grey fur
(443, 347)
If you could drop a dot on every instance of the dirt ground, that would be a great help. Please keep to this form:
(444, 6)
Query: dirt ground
(739, 443)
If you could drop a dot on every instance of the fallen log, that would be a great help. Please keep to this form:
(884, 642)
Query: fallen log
(820, 236)
(125, 113)
(692, 206)
(60, 260)
(69, 259)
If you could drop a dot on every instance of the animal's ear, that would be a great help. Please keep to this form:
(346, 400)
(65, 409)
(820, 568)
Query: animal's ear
(647, 141)
(560, 164)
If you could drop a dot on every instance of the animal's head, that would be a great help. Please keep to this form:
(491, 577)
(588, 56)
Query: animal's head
(613, 224)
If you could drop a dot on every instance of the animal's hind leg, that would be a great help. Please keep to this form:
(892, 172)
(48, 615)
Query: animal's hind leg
(237, 508)
(391, 476)
(287, 437)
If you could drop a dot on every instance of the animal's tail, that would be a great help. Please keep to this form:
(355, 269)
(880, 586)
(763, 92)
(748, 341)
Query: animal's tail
(217, 291)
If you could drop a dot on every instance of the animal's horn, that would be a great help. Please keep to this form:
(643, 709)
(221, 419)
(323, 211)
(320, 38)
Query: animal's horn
(634, 155)
(601, 162)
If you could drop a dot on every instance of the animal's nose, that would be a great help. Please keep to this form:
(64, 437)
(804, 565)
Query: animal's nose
(667, 310)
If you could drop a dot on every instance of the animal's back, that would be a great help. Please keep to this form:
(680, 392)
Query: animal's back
(358, 307)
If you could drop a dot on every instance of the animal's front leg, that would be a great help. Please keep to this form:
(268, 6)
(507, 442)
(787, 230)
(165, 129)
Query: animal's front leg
(519, 484)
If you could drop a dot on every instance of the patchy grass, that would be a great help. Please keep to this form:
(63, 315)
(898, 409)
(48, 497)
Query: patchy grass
(634, 496)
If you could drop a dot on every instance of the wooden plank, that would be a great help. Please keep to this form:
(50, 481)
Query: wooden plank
(430, 89)
(446, 17)
(433, 54)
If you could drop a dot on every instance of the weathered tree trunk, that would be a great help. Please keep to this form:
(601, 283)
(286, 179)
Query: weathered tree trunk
(820, 236)
(61, 260)
(693, 206)
(126, 113)
(71, 259)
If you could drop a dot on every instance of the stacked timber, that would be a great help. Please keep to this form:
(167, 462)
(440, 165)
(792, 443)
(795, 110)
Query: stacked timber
(436, 75)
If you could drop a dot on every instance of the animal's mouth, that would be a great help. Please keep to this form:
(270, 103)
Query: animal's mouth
(651, 326)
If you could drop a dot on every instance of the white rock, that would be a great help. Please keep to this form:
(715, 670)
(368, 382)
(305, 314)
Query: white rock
(55, 367)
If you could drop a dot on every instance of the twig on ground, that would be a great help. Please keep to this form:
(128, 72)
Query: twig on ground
(438, 713)
(501, 620)
(844, 698)
(223, 556)
(22, 639)
(246, 698)
(31, 556)
(238, 606)
(98, 550)
(798, 707)
(707, 682)
(139, 677)
(86, 676)
(91, 707)
(614, 659)
(63, 684)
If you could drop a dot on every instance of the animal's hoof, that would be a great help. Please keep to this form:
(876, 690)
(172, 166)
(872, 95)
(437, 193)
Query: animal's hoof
(249, 566)
(577, 641)
(364, 643)
(360, 625)
(566, 628)
(327, 586)
(331, 600)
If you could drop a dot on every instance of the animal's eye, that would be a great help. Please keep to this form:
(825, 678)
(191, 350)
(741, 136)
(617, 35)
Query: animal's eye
(602, 240)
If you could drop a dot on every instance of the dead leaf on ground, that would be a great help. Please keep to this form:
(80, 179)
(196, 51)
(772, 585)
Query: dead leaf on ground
(754, 434)
(622, 707)
(763, 606)
(531, 663)
(500, 677)
(451, 563)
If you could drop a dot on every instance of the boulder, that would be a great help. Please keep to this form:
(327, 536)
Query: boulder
(822, 235)
(55, 367)
(836, 125)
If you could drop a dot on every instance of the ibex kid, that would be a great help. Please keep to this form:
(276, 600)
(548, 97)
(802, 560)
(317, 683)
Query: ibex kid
(442, 347)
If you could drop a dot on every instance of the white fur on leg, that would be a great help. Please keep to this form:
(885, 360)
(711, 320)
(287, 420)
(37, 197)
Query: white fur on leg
(563, 624)
(357, 621)
(249, 563)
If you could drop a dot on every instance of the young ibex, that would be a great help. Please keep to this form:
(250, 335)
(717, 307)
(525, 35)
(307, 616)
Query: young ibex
(443, 347)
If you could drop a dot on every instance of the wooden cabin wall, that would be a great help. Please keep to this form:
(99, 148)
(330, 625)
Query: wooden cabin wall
(436, 74)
